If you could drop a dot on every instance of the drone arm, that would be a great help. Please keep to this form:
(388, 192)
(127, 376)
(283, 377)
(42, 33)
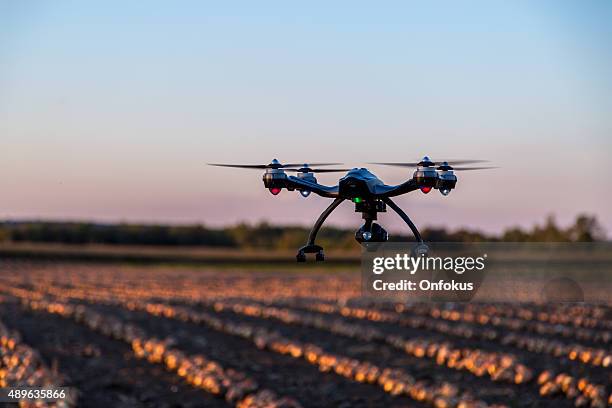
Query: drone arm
(392, 191)
(315, 228)
(405, 217)
(319, 189)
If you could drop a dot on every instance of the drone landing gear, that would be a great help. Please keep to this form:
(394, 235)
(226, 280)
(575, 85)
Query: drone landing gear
(369, 233)
(311, 247)
(404, 216)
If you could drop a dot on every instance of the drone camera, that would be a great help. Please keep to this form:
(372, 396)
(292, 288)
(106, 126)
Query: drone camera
(375, 233)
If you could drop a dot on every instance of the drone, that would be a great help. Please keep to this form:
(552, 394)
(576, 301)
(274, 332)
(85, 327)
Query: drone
(369, 194)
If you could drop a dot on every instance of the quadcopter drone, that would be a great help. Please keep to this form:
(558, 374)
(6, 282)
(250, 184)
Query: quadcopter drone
(370, 194)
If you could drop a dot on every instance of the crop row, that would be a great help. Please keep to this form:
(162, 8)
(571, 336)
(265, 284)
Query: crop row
(584, 323)
(449, 323)
(497, 366)
(22, 366)
(590, 316)
(575, 352)
(459, 321)
(192, 285)
(483, 315)
(336, 287)
(187, 285)
(197, 370)
(394, 381)
(577, 315)
(428, 316)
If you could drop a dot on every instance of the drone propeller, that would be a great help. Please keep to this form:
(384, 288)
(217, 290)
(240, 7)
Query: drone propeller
(471, 168)
(309, 170)
(444, 166)
(428, 163)
(275, 164)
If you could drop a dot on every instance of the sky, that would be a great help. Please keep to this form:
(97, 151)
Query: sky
(110, 110)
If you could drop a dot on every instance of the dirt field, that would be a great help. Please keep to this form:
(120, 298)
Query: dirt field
(128, 336)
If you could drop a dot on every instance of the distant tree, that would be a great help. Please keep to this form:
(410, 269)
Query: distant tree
(586, 228)
(436, 235)
(5, 235)
(465, 235)
(549, 232)
(515, 234)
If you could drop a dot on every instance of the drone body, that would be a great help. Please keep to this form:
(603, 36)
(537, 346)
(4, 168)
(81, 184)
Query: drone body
(370, 194)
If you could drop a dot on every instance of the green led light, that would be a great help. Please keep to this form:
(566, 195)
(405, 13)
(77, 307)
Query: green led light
(357, 200)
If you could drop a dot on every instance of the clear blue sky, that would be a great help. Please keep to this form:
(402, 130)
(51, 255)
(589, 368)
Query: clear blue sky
(109, 109)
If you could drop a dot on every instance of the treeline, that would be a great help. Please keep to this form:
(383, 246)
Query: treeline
(118, 234)
(584, 229)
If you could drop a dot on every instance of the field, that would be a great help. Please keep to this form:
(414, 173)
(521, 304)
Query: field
(124, 335)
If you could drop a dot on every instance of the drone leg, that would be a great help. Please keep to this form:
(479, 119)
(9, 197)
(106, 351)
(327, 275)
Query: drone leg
(310, 247)
(317, 226)
(405, 217)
